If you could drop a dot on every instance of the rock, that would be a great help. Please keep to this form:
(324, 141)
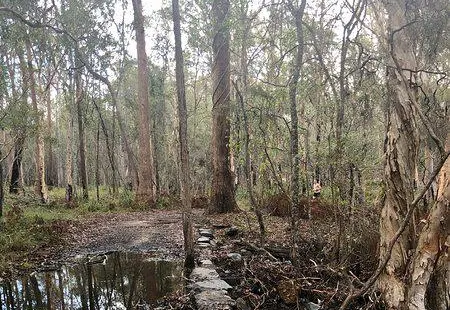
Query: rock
(202, 274)
(203, 240)
(206, 263)
(236, 257)
(204, 245)
(312, 306)
(232, 231)
(213, 284)
(214, 300)
(206, 233)
(243, 251)
(213, 243)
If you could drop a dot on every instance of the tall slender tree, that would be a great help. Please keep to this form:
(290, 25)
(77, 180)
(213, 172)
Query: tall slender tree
(222, 189)
(183, 135)
(296, 210)
(40, 185)
(146, 187)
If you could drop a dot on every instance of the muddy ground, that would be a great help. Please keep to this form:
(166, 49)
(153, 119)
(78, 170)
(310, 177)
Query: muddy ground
(157, 232)
(265, 278)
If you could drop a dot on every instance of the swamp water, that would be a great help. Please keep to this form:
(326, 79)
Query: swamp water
(112, 281)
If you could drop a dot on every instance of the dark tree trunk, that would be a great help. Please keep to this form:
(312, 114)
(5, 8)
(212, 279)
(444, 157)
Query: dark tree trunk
(222, 189)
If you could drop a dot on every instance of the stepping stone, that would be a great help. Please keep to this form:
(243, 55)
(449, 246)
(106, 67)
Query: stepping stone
(207, 263)
(202, 274)
(214, 284)
(206, 233)
(214, 300)
(203, 240)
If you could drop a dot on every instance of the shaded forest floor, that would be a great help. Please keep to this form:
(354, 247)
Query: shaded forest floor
(262, 275)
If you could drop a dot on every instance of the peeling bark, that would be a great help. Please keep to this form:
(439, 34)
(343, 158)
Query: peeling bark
(432, 245)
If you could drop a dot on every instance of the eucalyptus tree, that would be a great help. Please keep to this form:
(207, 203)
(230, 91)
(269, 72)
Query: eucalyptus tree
(146, 186)
(222, 189)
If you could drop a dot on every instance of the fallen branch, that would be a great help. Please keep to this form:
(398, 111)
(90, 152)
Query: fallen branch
(258, 249)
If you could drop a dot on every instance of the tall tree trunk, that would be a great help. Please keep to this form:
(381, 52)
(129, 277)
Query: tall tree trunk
(185, 179)
(40, 186)
(81, 143)
(222, 189)
(146, 187)
(401, 152)
(297, 211)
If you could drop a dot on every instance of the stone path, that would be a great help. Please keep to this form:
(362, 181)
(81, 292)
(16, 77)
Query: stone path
(210, 291)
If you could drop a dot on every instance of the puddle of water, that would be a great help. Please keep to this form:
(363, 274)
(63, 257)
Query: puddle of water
(113, 281)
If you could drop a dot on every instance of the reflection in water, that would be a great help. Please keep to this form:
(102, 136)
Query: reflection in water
(114, 281)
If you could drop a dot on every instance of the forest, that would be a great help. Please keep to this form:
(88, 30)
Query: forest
(306, 140)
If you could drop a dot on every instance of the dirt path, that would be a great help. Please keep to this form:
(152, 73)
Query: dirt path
(156, 232)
